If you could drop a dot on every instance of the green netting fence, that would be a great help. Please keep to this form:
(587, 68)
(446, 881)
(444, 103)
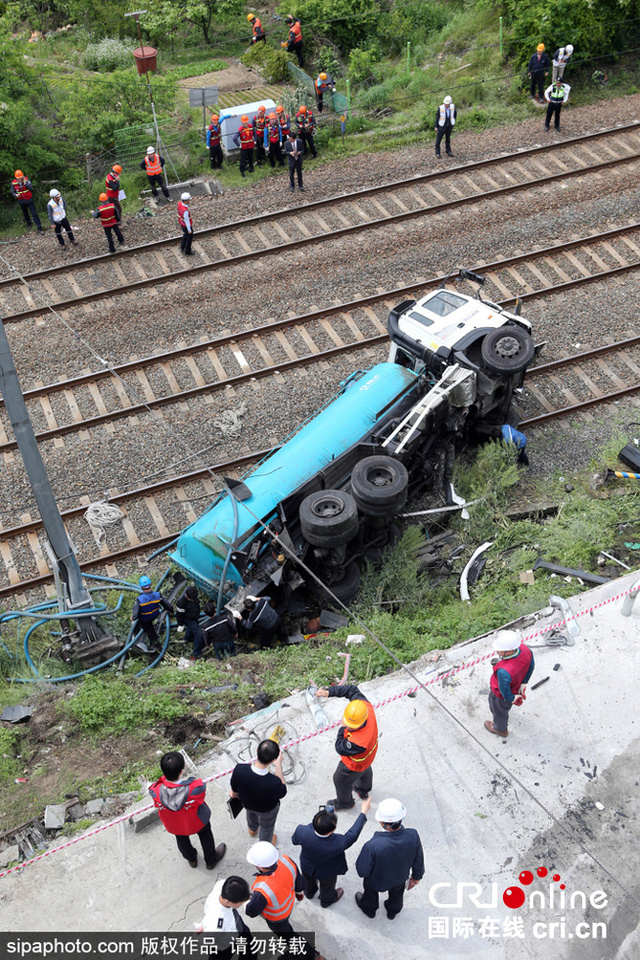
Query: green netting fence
(332, 101)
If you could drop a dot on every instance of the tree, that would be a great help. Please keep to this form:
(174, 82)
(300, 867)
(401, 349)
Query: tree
(167, 15)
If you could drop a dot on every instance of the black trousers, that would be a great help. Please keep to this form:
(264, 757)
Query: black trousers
(371, 900)
(537, 80)
(215, 155)
(58, 231)
(118, 232)
(185, 247)
(295, 166)
(156, 180)
(260, 152)
(246, 160)
(344, 780)
(551, 109)
(328, 893)
(307, 139)
(268, 633)
(147, 626)
(28, 208)
(207, 842)
(446, 133)
(275, 153)
(297, 49)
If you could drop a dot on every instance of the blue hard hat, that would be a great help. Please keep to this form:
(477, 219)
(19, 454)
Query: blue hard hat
(144, 582)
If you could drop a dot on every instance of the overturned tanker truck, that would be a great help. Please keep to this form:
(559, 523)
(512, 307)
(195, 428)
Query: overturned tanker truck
(328, 496)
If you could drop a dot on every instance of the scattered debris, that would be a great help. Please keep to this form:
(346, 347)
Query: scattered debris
(356, 638)
(16, 714)
(556, 666)
(603, 553)
(317, 711)
(533, 511)
(261, 700)
(143, 819)
(345, 672)
(569, 571)
(527, 576)
(539, 683)
(184, 663)
(599, 806)
(9, 855)
(55, 816)
(473, 569)
(332, 621)
(94, 807)
(560, 603)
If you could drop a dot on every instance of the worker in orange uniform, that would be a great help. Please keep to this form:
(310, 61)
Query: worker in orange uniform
(109, 217)
(152, 165)
(258, 32)
(273, 141)
(284, 121)
(322, 83)
(214, 137)
(112, 185)
(276, 887)
(186, 222)
(244, 139)
(22, 191)
(306, 125)
(259, 124)
(294, 42)
(357, 744)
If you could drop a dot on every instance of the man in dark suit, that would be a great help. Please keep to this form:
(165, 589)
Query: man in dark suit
(322, 857)
(294, 150)
(392, 857)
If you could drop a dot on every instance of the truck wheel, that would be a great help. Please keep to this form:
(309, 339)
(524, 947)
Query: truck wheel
(507, 350)
(328, 518)
(379, 485)
(344, 587)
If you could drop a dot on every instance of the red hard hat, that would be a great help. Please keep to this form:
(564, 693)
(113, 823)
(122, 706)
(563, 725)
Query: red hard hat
(103, 196)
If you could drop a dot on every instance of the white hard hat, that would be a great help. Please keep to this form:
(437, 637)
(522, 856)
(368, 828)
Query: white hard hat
(185, 196)
(54, 193)
(569, 49)
(390, 811)
(263, 854)
(150, 150)
(506, 640)
(448, 100)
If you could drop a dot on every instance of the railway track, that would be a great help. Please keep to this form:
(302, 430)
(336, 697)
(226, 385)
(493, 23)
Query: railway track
(202, 369)
(72, 285)
(567, 385)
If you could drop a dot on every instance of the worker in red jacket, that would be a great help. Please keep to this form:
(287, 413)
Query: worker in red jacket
(511, 673)
(109, 216)
(186, 222)
(258, 32)
(284, 120)
(259, 124)
(184, 811)
(294, 42)
(214, 137)
(112, 185)
(273, 141)
(306, 125)
(244, 139)
(22, 191)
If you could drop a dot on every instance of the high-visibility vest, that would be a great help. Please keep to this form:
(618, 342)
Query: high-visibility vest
(246, 138)
(257, 27)
(278, 889)
(516, 667)
(557, 93)
(295, 33)
(153, 165)
(58, 211)
(367, 737)
(214, 134)
(443, 115)
(112, 184)
(274, 133)
(21, 191)
(185, 221)
(150, 601)
(306, 121)
(285, 125)
(108, 218)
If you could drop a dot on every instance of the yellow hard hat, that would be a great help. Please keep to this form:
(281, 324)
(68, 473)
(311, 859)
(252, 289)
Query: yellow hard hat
(323, 76)
(355, 714)
(540, 47)
(251, 16)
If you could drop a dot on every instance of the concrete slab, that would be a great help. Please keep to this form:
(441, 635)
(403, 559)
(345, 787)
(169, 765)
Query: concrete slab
(560, 793)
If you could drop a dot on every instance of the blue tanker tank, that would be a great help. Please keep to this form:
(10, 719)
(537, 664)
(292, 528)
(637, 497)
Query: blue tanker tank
(351, 418)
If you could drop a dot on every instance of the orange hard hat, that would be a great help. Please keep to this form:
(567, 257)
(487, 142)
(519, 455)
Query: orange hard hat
(302, 109)
(272, 116)
(117, 168)
(18, 173)
(279, 108)
(215, 118)
(103, 196)
(262, 108)
(355, 714)
(244, 119)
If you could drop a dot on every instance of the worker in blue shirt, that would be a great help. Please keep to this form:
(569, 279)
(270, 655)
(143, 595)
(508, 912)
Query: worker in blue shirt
(146, 609)
(511, 435)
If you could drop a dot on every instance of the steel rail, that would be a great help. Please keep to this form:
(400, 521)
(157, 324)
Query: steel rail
(338, 198)
(300, 320)
(583, 405)
(112, 292)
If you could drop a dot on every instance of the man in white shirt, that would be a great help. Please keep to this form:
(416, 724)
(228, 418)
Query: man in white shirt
(221, 914)
(57, 213)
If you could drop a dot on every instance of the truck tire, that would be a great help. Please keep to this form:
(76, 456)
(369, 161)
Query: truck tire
(344, 587)
(379, 485)
(328, 518)
(507, 350)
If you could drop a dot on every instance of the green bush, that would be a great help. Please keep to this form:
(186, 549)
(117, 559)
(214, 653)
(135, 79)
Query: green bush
(347, 23)
(103, 707)
(10, 766)
(108, 55)
(272, 62)
(362, 63)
